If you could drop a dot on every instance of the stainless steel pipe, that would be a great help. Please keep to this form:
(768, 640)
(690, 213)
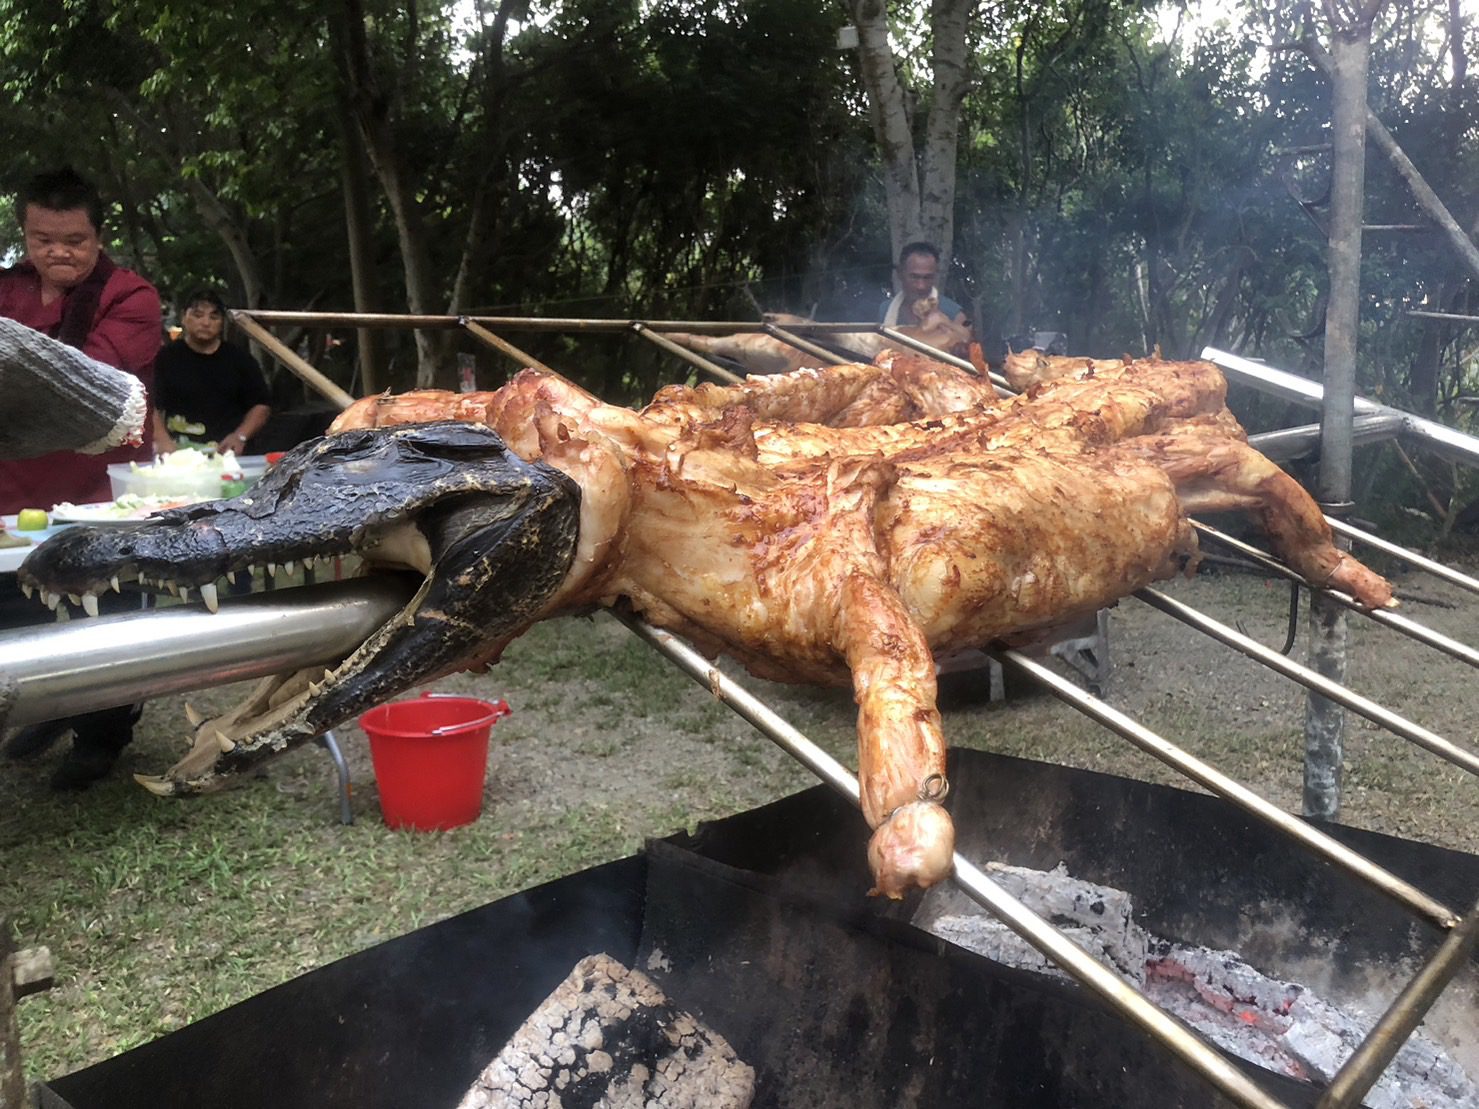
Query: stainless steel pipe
(1385, 617)
(1422, 562)
(1118, 993)
(1327, 847)
(1281, 383)
(83, 664)
(1363, 706)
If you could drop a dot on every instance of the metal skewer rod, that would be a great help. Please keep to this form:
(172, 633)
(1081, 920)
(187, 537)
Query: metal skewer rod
(1385, 617)
(503, 346)
(1127, 1001)
(1306, 677)
(1281, 383)
(1327, 847)
(535, 323)
(1360, 1072)
(894, 335)
(279, 350)
(684, 353)
(803, 344)
(1422, 562)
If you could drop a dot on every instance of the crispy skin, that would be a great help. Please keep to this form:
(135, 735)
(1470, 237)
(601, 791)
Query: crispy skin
(737, 517)
(853, 554)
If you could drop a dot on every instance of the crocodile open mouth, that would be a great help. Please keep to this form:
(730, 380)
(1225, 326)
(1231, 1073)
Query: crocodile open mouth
(490, 535)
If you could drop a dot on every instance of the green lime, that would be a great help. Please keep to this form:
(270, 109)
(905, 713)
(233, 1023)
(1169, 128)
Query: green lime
(31, 519)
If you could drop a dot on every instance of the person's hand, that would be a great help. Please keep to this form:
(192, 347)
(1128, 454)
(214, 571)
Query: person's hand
(232, 442)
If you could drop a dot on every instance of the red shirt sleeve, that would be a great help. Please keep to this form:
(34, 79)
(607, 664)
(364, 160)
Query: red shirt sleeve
(126, 331)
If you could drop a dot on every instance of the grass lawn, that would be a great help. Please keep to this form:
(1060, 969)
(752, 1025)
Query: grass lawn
(161, 912)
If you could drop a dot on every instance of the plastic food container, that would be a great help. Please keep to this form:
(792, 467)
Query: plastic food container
(198, 478)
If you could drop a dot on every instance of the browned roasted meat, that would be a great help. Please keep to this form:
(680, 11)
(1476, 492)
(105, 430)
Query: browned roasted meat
(1032, 367)
(762, 353)
(735, 517)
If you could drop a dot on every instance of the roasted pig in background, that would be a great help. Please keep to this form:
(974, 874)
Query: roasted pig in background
(760, 353)
(837, 525)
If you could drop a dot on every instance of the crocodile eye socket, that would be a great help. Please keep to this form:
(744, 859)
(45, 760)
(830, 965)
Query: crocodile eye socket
(455, 441)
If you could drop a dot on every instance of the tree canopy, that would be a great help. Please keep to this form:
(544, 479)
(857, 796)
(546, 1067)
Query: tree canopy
(1136, 175)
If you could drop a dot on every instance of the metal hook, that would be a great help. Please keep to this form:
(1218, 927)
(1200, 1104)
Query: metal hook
(934, 788)
(1293, 618)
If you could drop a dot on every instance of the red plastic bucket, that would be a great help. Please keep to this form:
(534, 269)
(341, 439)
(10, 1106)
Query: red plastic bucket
(431, 757)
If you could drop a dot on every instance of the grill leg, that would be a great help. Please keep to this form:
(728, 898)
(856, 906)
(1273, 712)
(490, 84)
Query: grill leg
(331, 745)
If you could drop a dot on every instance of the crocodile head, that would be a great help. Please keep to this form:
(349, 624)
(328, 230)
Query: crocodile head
(490, 536)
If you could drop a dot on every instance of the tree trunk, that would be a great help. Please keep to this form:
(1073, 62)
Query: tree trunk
(891, 125)
(358, 227)
(919, 189)
(374, 113)
(942, 130)
(214, 211)
(218, 218)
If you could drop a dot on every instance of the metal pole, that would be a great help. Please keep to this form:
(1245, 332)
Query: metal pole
(802, 344)
(96, 663)
(1122, 997)
(503, 346)
(894, 335)
(1456, 445)
(279, 350)
(1360, 1072)
(1422, 562)
(1437, 640)
(687, 355)
(1310, 679)
(1324, 723)
(1328, 848)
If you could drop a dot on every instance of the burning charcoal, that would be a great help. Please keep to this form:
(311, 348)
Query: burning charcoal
(609, 1037)
(1281, 1026)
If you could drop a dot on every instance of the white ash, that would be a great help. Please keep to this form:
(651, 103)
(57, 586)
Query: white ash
(1281, 1026)
(608, 1037)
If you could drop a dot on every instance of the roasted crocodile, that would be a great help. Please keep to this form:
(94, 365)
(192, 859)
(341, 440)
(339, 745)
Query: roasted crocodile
(759, 520)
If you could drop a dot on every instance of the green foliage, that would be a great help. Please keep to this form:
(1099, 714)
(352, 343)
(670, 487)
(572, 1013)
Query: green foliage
(695, 158)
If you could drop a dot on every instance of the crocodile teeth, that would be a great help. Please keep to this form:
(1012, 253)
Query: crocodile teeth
(49, 599)
(155, 785)
(231, 577)
(272, 569)
(74, 598)
(113, 581)
(192, 714)
(27, 590)
(90, 603)
(208, 595)
(225, 744)
(184, 592)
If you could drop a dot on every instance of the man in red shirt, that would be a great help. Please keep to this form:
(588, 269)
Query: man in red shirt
(70, 290)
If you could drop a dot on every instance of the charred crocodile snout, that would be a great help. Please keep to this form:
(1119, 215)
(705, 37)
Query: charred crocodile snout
(491, 535)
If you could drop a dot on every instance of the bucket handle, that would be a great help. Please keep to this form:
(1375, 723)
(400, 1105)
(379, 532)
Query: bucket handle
(500, 710)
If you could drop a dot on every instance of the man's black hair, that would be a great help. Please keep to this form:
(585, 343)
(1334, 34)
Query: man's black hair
(61, 190)
(205, 296)
(919, 246)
